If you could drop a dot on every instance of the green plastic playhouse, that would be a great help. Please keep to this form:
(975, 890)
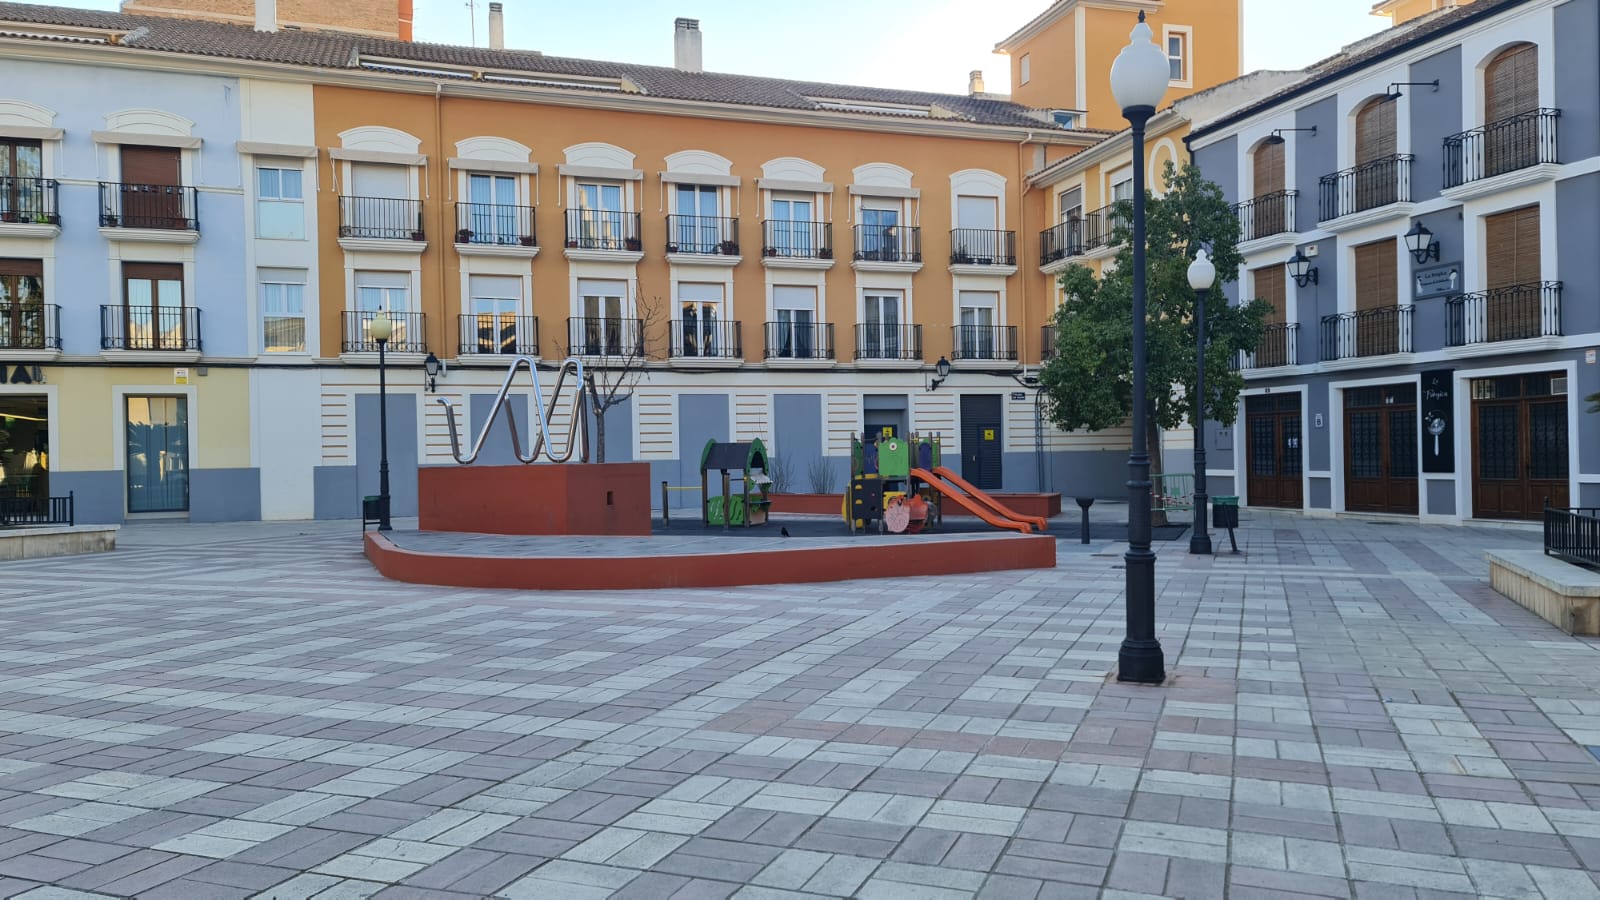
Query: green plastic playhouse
(744, 483)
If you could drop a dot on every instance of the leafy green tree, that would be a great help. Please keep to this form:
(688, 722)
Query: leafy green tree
(1088, 382)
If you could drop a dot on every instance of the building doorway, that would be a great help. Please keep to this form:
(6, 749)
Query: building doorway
(1519, 427)
(1272, 453)
(1380, 449)
(157, 454)
(24, 454)
(981, 455)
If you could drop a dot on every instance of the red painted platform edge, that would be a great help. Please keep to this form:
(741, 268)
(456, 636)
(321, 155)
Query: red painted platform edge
(910, 559)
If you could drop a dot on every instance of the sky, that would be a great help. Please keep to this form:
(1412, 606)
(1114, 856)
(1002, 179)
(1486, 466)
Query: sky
(918, 44)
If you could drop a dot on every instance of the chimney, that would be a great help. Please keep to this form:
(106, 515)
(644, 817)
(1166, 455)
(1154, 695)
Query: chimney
(686, 45)
(266, 15)
(497, 26)
(975, 83)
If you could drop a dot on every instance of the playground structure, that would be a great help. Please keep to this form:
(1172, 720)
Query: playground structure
(901, 485)
(577, 437)
(742, 462)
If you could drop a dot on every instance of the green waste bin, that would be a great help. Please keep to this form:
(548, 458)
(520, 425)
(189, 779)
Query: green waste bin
(1225, 512)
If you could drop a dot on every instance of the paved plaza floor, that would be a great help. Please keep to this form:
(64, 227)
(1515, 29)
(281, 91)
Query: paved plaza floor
(248, 710)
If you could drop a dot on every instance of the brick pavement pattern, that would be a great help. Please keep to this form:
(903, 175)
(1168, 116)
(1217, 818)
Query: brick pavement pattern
(234, 711)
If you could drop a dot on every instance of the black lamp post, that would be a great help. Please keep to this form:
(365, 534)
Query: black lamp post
(380, 329)
(1139, 79)
(1419, 240)
(1202, 274)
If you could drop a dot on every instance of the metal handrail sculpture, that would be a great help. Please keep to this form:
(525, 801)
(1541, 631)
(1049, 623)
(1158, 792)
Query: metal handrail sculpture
(578, 437)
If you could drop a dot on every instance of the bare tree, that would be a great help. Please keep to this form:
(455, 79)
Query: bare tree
(615, 353)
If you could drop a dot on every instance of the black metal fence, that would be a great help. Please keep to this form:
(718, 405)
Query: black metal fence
(1047, 342)
(1099, 227)
(407, 336)
(875, 340)
(602, 229)
(30, 326)
(494, 333)
(495, 224)
(982, 247)
(381, 218)
(1279, 346)
(1266, 215)
(169, 207)
(792, 340)
(149, 328)
(1514, 312)
(1573, 534)
(790, 239)
(1500, 147)
(1367, 332)
(705, 338)
(889, 243)
(29, 200)
(26, 511)
(1062, 241)
(598, 336)
(978, 342)
(1369, 186)
(703, 235)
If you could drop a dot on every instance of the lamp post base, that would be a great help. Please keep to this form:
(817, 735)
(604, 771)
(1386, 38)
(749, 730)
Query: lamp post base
(1141, 662)
(1199, 543)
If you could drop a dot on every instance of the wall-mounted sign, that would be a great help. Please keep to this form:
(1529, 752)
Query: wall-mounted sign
(21, 375)
(888, 431)
(1436, 421)
(180, 376)
(1019, 395)
(988, 434)
(1437, 281)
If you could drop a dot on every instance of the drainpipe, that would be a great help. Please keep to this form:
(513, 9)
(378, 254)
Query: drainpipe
(445, 231)
(1022, 284)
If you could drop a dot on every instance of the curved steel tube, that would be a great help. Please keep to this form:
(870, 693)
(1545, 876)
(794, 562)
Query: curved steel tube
(578, 436)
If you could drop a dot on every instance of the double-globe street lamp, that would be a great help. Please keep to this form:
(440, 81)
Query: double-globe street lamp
(1202, 274)
(1139, 79)
(379, 329)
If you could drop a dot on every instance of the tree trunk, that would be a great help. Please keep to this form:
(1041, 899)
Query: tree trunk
(1152, 433)
(599, 424)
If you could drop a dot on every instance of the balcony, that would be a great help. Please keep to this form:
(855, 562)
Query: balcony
(706, 342)
(1047, 342)
(29, 207)
(1369, 188)
(1368, 332)
(170, 330)
(1518, 312)
(790, 244)
(498, 335)
(1098, 229)
(983, 343)
(408, 336)
(600, 339)
(1061, 243)
(381, 223)
(149, 212)
(799, 344)
(982, 251)
(894, 248)
(1499, 151)
(29, 331)
(887, 344)
(603, 235)
(495, 229)
(706, 240)
(1267, 216)
(1279, 346)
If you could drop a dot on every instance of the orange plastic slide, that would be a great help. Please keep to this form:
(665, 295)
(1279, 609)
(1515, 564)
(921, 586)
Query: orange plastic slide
(999, 508)
(977, 509)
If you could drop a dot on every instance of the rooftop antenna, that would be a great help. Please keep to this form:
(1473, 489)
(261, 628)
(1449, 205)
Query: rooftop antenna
(472, 17)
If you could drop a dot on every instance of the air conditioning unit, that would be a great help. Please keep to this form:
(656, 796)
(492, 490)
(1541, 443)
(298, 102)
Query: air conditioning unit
(1558, 385)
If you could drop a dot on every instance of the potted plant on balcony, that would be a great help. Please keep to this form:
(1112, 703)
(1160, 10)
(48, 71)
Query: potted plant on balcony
(672, 248)
(770, 251)
(825, 253)
(632, 243)
(961, 258)
(108, 220)
(730, 248)
(572, 243)
(525, 240)
(464, 236)
(41, 219)
(418, 236)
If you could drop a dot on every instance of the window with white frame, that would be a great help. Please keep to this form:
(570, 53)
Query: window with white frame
(280, 202)
(880, 236)
(795, 332)
(378, 203)
(976, 332)
(1177, 40)
(602, 221)
(389, 292)
(1069, 203)
(1025, 69)
(791, 225)
(494, 303)
(696, 226)
(490, 214)
(976, 238)
(1121, 189)
(882, 335)
(602, 328)
(700, 329)
(283, 310)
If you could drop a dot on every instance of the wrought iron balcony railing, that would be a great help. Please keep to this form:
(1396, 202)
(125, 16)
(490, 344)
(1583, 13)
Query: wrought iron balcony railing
(485, 334)
(1063, 241)
(1515, 312)
(980, 342)
(167, 207)
(1100, 225)
(703, 235)
(706, 339)
(124, 327)
(1266, 215)
(495, 224)
(876, 340)
(1500, 147)
(1279, 346)
(1377, 183)
(794, 340)
(1367, 332)
(29, 326)
(982, 247)
(408, 335)
(601, 337)
(791, 239)
(29, 201)
(888, 243)
(381, 218)
(602, 229)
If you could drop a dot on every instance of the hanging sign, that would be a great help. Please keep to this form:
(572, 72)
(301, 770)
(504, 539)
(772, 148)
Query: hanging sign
(1437, 421)
(1437, 281)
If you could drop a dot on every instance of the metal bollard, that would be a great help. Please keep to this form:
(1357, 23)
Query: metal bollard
(666, 515)
(1084, 503)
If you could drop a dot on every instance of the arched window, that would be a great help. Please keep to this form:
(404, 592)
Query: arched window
(1511, 83)
(1377, 178)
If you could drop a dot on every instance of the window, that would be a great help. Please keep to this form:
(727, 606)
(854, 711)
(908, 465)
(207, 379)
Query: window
(1377, 176)
(387, 291)
(795, 333)
(695, 227)
(153, 316)
(881, 332)
(791, 224)
(22, 189)
(1122, 189)
(495, 301)
(1178, 54)
(601, 328)
(976, 334)
(1066, 118)
(149, 196)
(280, 203)
(1024, 70)
(1069, 204)
(378, 204)
(1270, 283)
(283, 311)
(1511, 84)
(491, 209)
(700, 330)
(977, 212)
(23, 323)
(880, 231)
(1268, 214)
(600, 216)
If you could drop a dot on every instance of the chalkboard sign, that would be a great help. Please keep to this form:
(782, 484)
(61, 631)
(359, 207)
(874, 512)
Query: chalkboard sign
(1437, 421)
(1438, 281)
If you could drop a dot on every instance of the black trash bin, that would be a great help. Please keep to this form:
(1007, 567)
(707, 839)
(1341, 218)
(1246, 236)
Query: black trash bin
(1224, 512)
